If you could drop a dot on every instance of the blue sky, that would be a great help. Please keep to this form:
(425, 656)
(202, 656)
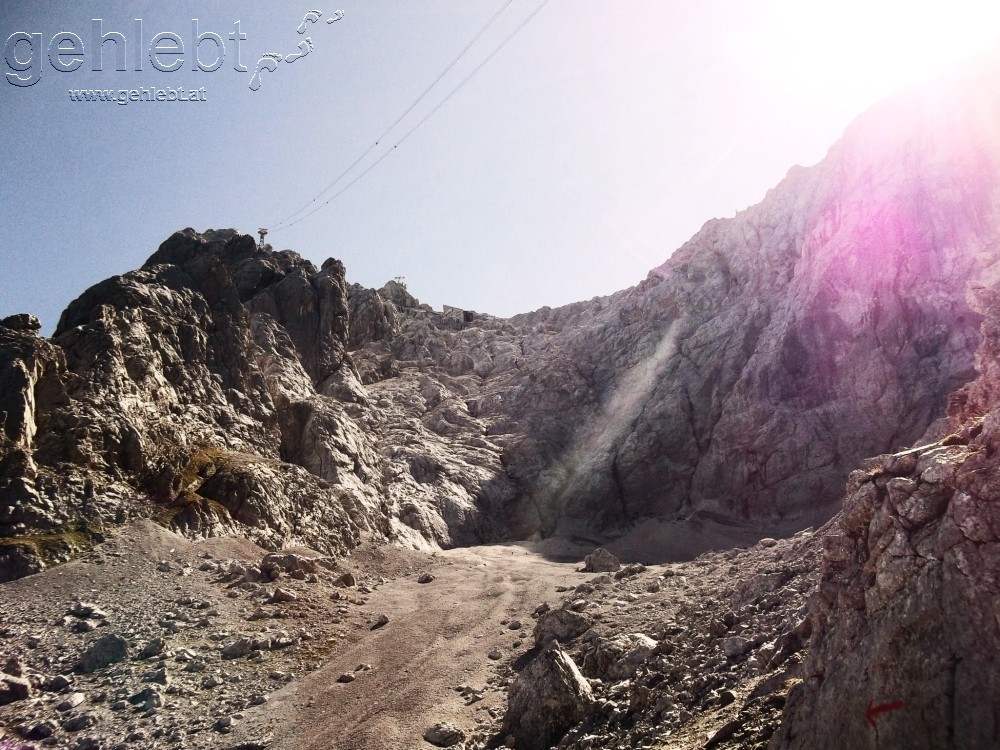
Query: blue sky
(587, 150)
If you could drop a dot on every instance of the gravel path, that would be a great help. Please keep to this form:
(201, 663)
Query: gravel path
(437, 641)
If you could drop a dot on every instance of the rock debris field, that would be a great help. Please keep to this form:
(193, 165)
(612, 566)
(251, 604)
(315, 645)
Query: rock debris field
(154, 641)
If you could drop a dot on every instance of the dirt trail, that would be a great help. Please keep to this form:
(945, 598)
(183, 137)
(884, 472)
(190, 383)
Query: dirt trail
(438, 638)
(431, 662)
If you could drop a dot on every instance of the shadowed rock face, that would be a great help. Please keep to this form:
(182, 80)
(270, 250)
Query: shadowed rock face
(906, 617)
(229, 389)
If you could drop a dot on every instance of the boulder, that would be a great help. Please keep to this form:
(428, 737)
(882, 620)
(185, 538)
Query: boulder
(288, 563)
(106, 650)
(282, 596)
(601, 561)
(735, 647)
(13, 689)
(444, 734)
(239, 647)
(562, 625)
(616, 657)
(546, 699)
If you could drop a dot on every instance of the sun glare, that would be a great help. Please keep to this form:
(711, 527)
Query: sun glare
(871, 47)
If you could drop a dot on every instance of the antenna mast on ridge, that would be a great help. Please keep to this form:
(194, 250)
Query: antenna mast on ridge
(263, 233)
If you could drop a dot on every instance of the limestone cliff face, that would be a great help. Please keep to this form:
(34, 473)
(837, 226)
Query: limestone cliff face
(906, 616)
(192, 390)
(229, 389)
(772, 353)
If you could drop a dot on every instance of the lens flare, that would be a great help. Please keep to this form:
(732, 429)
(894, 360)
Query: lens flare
(872, 46)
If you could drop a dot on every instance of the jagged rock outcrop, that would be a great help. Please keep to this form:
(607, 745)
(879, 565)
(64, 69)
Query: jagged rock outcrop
(30, 369)
(213, 390)
(906, 628)
(378, 315)
(192, 389)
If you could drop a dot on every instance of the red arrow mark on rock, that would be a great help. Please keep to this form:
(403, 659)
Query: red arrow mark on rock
(882, 708)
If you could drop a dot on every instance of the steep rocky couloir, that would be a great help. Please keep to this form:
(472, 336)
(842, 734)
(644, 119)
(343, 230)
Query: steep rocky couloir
(747, 375)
